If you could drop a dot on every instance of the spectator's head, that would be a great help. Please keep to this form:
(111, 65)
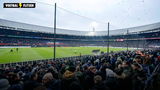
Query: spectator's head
(119, 66)
(68, 74)
(71, 69)
(78, 68)
(97, 79)
(136, 66)
(34, 76)
(4, 84)
(92, 69)
(53, 71)
(48, 77)
(85, 68)
(125, 64)
(138, 59)
(118, 62)
(147, 60)
(109, 73)
(119, 71)
(13, 78)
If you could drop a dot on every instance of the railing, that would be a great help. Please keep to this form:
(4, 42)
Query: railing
(44, 61)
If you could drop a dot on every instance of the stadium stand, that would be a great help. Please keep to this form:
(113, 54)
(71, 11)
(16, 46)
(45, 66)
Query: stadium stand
(14, 35)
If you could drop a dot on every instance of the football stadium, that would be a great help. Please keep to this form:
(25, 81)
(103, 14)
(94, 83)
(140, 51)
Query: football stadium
(18, 40)
(76, 52)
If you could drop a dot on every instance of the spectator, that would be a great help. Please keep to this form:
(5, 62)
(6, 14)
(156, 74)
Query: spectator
(98, 83)
(4, 84)
(127, 71)
(138, 77)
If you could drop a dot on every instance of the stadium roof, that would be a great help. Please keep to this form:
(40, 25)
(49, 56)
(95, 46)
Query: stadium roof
(35, 28)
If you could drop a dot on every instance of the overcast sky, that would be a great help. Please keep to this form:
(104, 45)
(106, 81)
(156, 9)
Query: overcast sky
(81, 14)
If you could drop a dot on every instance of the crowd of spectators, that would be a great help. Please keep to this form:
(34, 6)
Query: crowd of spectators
(64, 43)
(126, 70)
(39, 39)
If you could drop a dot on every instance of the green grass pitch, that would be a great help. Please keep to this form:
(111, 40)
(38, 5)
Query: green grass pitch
(30, 54)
